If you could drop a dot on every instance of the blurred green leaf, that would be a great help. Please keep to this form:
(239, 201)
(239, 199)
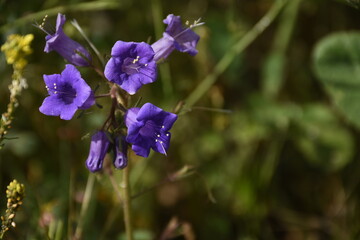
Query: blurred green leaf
(324, 142)
(337, 65)
(337, 58)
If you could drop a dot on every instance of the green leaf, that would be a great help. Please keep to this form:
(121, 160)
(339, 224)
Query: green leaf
(322, 139)
(337, 65)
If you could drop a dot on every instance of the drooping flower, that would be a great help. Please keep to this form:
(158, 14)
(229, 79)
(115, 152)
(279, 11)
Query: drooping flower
(131, 65)
(69, 49)
(120, 152)
(176, 37)
(68, 92)
(98, 148)
(148, 127)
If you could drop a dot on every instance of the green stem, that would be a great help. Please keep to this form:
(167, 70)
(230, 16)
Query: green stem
(85, 205)
(273, 71)
(115, 186)
(237, 48)
(164, 68)
(86, 6)
(96, 51)
(127, 203)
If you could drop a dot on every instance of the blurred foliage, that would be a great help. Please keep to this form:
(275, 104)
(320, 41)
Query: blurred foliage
(284, 164)
(337, 64)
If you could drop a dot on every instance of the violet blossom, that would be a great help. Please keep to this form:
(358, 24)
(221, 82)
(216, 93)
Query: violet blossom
(120, 152)
(68, 92)
(98, 148)
(148, 127)
(131, 65)
(69, 49)
(176, 37)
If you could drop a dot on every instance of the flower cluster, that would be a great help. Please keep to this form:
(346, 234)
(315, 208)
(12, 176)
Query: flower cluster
(16, 48)
(15, 193)
(131, 65)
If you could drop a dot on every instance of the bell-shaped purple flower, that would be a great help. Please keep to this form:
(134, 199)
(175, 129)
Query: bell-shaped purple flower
(176, 37)
(98, 148)
(120, 152)
(68, 92)
(131, 65)
(69, 49)
(148, 127)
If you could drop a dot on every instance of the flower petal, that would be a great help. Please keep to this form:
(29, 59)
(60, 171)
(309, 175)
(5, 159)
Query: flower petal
(67, 112)
(98, 147)
(142, 151)
(130, 116)
(147, 53)
(51, 106)
(122, 49)
(162, 145)
(132, 83)
(60, 21)
(163, 47)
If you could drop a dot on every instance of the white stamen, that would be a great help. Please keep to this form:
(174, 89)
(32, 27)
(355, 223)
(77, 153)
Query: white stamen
(162, 146)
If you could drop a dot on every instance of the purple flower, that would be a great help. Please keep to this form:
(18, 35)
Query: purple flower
(120, 152)
(98, 148)
(68, 92)
(131, 65)
(148, 127)
(65, 46)
(176, 37)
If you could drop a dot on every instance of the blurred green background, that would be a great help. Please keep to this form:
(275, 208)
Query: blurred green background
(284, 164)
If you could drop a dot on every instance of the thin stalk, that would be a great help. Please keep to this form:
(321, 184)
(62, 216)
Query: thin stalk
(103, 95)
(127, 203)
(59, 230)
(272, 158)
(139, 171)
(237, 48)
(96, 51)
(273, 72)
(84, 7)
(115, 186)
(164, 68)
(85, 205)
(71, 203)
(218, 110)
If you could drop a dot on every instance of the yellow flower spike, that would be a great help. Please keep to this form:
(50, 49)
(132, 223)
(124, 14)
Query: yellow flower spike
(16, 48)
(15, 192)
